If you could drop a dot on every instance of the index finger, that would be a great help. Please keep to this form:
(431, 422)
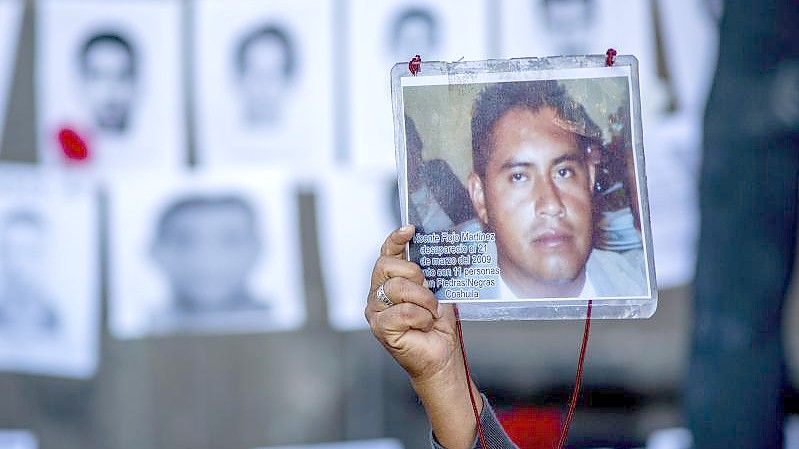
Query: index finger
(394, 246)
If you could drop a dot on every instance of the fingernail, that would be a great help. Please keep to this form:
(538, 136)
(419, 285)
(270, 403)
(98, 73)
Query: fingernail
(406, 228)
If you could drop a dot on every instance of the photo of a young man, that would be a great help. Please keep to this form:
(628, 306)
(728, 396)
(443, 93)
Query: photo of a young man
(551, 204)
(532, 186)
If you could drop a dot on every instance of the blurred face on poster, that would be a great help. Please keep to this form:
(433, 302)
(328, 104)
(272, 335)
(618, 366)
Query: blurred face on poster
(265, 65)
(22, 242)
(415, 31)
(25, 308)
(108, 64)
(569, 23)
(207, 248)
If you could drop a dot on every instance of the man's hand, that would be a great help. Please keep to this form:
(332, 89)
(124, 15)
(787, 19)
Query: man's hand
(422, 337)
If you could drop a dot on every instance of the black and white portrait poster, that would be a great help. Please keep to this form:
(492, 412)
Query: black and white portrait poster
(674, 135)
(49, 281)
(204, 253)
(10, 21)
(386, 32)
(264, 81)
(352, 245)
(362, 444)
(109, 83)
(538, 28)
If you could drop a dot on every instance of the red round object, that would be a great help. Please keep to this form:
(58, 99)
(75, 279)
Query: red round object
(73, 145)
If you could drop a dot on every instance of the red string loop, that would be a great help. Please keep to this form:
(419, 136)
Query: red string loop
(415, 65)
(610, 57)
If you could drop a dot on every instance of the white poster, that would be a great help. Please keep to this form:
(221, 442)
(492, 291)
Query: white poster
(363, 444)
(109, 83)
(382, 33)
(674, 137)
(49, 273)
(10, 22)
(204, 253)
(536, 28)
(355, 211)
(17, 439)
(264, 81)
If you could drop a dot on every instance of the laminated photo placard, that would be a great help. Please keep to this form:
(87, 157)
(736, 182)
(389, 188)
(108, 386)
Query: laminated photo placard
(525, 181)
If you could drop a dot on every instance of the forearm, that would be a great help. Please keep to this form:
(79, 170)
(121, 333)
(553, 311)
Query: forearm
(446, 401)
(495, 436)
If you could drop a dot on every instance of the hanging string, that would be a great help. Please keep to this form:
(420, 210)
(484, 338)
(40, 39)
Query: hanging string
(578, 381)
(480, 434)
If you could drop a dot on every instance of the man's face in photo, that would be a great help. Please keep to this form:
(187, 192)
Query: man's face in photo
(109, 84)
(536, 196)
(264, 78)
(207, 252)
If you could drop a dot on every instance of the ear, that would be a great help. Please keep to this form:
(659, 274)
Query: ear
(477, 195)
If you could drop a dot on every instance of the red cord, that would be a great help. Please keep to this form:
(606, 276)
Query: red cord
(468, 379)
(564, 433)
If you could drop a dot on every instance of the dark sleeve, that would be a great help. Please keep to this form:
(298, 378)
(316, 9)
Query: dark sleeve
(495, 436)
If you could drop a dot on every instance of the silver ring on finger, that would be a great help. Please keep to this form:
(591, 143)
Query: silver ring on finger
(382, 296)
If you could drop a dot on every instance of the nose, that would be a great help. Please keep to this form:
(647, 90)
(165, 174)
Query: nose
(547, 199)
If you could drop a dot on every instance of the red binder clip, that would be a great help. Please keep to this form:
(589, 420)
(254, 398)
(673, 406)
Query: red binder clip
(415, 65)
(610, 57)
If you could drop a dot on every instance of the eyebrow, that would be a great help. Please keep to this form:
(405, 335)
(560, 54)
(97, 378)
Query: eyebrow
(570, 157)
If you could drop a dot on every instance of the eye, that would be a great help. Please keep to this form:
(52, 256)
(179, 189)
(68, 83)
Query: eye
(565, 172)
(518, 177)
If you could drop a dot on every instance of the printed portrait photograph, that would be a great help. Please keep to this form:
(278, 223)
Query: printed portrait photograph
(525, 185)
(49, 282)
(386, 32)
(205, 254)
(356, 210)
(110, 74)
(257, 67)
(10, 25)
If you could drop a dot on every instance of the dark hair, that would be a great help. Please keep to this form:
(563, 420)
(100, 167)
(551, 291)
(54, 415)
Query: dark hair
(267, 32)
(498, 98)
(411, 14)
(203, 201)
(108, 38)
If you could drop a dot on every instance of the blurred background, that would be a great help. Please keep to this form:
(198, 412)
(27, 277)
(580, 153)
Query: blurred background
(194, 192)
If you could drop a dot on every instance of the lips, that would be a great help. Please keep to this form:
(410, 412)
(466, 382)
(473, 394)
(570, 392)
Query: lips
(552, 238)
